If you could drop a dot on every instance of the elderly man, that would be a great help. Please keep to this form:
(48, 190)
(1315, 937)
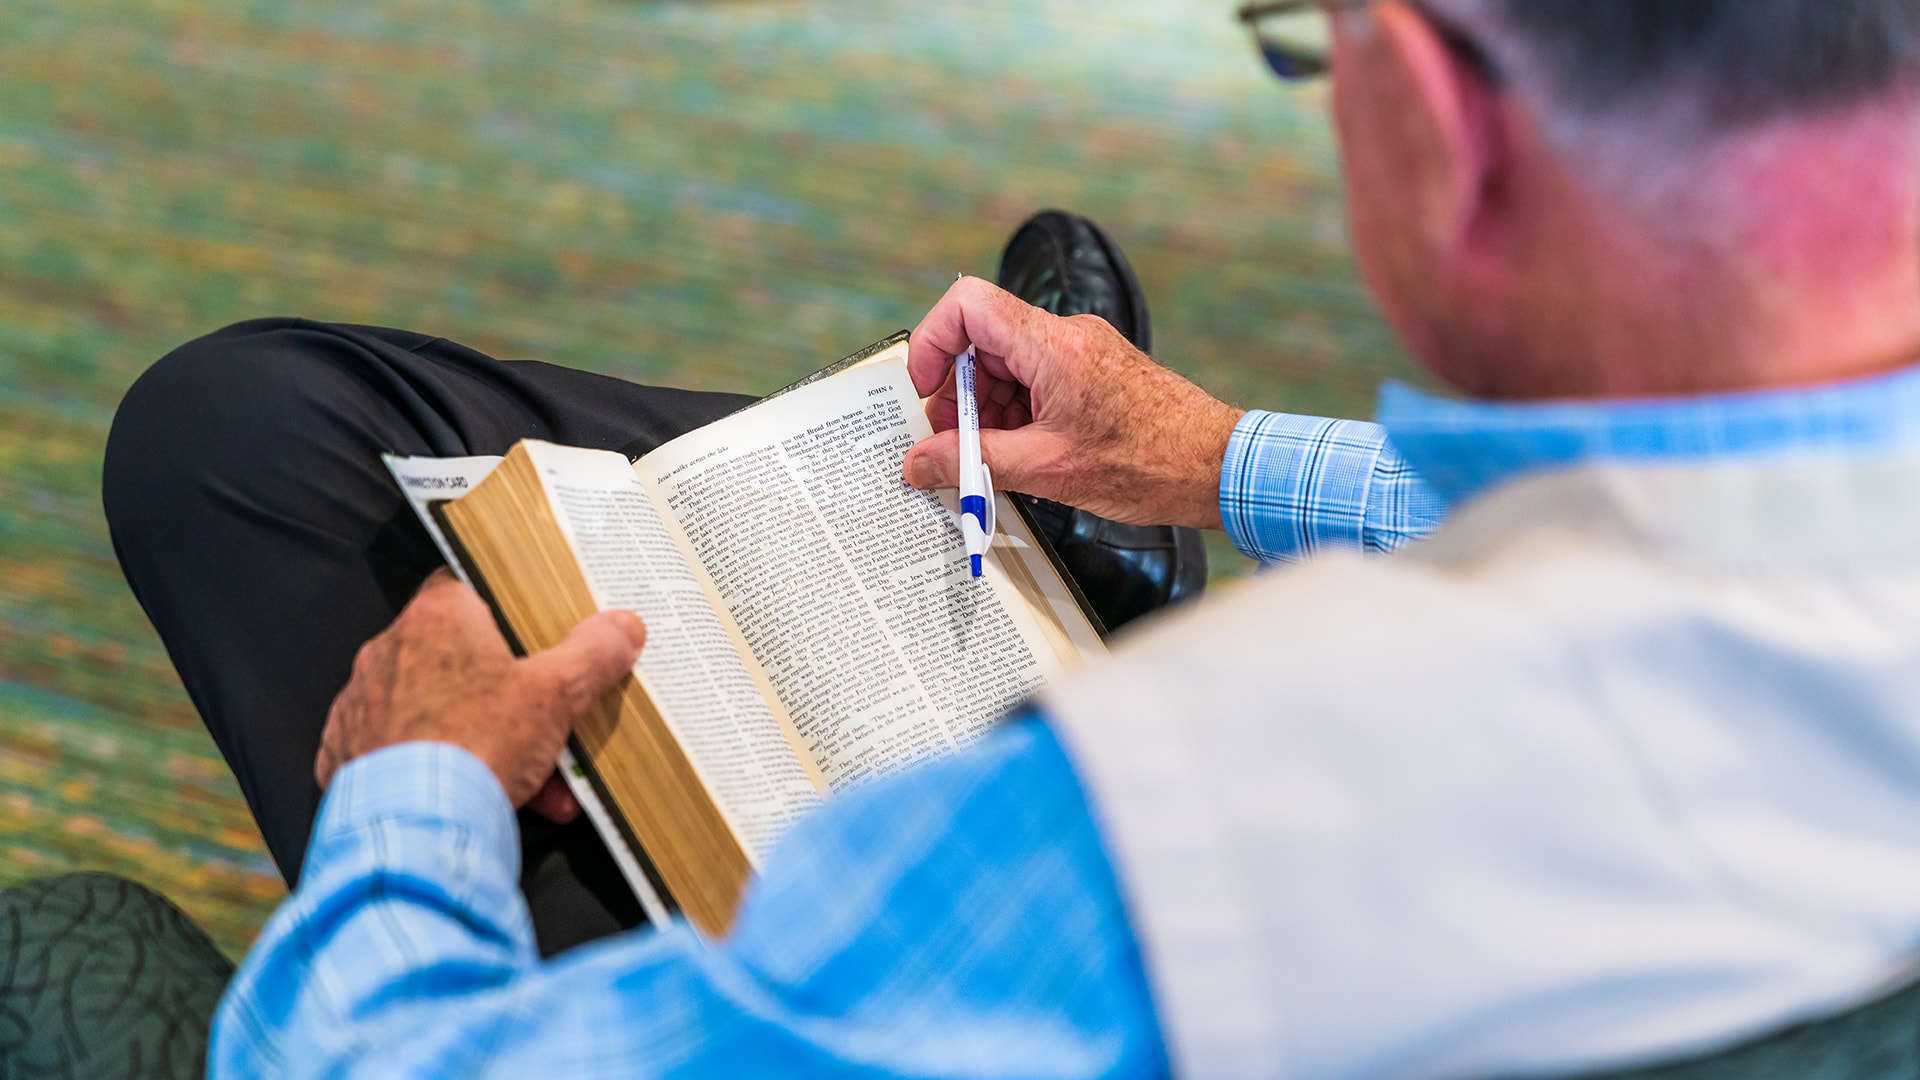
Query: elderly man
(1622, 764)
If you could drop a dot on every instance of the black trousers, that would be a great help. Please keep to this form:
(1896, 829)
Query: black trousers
(266, 541)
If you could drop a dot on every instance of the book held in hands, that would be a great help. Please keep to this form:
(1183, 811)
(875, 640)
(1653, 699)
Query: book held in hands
(811, 619)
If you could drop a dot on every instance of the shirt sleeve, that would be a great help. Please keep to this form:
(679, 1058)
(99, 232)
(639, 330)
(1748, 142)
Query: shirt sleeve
(1294, 485)
(961, 919)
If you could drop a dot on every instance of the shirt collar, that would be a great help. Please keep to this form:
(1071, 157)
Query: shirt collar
(1463, 447)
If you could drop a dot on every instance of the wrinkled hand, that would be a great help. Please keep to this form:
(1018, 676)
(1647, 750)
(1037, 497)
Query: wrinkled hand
(1069, 411)
(443, 673)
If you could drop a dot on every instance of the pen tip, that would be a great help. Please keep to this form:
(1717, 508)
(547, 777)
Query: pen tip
(976, 565)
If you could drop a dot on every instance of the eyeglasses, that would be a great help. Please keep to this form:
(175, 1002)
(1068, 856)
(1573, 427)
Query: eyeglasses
(1295, 37)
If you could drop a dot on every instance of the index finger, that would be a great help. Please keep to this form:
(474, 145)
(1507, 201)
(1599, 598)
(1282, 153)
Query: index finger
(974, 312)
(437, 584)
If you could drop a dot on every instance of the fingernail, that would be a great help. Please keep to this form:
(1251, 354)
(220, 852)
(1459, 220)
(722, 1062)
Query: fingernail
(631, 625)
(924, 472)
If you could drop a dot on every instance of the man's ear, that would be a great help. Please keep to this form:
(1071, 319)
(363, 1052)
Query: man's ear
(1442, 122)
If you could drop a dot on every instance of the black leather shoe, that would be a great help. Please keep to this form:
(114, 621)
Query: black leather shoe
(1067, 265)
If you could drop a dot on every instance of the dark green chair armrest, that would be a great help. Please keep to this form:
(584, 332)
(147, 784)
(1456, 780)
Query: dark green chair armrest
(1878, 1041)
(102, 977)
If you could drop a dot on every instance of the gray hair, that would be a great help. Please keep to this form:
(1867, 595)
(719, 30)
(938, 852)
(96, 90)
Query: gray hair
(1731, 62)
(1635, 89)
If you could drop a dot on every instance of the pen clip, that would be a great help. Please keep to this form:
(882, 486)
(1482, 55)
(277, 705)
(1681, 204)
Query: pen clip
(986, 482)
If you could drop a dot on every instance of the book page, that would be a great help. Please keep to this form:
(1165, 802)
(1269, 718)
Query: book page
(851, 588)
(426, 481)
(690, 667)
(1034, 574)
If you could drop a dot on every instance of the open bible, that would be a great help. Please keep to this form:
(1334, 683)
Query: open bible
(811, 619)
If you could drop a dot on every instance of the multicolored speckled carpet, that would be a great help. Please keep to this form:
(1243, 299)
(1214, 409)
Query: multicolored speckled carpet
(715, 194)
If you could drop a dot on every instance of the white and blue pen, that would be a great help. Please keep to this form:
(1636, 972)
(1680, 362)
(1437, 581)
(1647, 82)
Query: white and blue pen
(976, 483)
(976, 489)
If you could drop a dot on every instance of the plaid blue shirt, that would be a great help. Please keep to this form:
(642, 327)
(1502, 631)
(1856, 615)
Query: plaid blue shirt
(1295, 485)
(960, 920)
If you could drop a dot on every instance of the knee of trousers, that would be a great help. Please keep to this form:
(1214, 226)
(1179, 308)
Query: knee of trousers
(213, 413)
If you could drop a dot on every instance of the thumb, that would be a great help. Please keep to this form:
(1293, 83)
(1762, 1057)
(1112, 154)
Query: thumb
(1022, 459)
(592, 658)
(934, 462)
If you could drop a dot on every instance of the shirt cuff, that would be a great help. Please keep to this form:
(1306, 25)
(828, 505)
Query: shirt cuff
(1293, 485)
(435, 785)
